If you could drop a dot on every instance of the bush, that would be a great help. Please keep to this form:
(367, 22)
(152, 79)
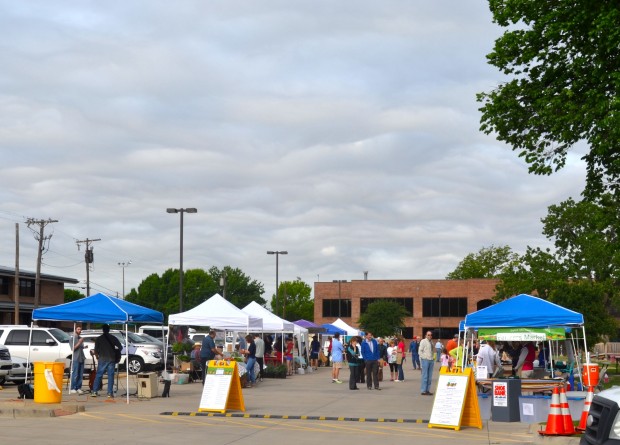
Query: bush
(275, 372)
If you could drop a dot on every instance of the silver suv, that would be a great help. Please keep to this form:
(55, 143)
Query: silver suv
(142, 356)
(46, 345)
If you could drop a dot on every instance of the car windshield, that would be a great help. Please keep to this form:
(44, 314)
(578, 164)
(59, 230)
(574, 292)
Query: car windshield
(150, 338)
(61, 336)
(135, 338)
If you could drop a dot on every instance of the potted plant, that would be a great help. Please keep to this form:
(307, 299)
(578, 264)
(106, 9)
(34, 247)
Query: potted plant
(181, 351)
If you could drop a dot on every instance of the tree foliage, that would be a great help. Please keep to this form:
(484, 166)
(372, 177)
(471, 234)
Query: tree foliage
(383, 318)
(162, 292)
(562, 60)
(294, 301)
(489, 262)
(72, 295)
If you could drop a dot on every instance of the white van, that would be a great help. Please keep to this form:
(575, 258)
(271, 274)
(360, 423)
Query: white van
(154, 331)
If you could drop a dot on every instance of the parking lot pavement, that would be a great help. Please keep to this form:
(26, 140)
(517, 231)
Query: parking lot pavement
(397, 407)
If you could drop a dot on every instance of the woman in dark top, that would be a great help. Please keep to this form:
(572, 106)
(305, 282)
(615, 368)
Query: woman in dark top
(251, 360)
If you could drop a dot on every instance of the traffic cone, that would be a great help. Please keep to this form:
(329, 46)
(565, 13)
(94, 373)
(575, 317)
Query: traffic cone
(569, 427)
(586, 409)
(555, 422)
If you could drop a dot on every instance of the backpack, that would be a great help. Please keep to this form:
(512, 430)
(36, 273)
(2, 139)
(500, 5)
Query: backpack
(351, 358)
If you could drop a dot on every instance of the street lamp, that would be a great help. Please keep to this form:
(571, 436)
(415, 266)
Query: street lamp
(223, 283)
(339, 294)
(124, 265)
(277, 253)
(181, 212)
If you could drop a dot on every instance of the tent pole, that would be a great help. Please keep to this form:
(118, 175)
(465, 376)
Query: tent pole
(127, 362)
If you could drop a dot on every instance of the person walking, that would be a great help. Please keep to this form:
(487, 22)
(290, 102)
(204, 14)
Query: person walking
(438, 349)
(391, 351)
(413, 350)
(77, 366)
(337, 353)
(370, 352)
(354, 365)
(260, 355)
(315, 347)
(106, 346)
(426, 357)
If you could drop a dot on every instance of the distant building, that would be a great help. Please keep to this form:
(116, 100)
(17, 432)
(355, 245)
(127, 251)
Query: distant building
(436, 305)
(52, 293)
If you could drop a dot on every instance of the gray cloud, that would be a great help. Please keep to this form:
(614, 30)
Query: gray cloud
(343, 132)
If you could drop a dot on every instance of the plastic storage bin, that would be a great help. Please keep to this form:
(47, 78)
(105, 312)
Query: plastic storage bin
(484, 403)
(42, 394)
(534, 409)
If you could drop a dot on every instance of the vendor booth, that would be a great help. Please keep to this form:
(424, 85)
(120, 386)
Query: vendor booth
(100, 308)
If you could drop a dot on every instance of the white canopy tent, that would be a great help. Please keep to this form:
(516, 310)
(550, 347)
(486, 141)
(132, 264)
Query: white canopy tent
(271, 322)
(344, 326)
(218, 313)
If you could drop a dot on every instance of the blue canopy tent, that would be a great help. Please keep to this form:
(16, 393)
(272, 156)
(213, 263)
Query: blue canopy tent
(526, 311)
(330, 329)
(100, 308)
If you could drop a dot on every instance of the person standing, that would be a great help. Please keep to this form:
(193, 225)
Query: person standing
(401, 353)
(336, 352)
(525, 364)
(315, 347)
(354, 366)
(415, 357)
(243, 345)
(488, 356)
(370, 352)
(106, 346)
(438, 349)
(426, 357)
(208, 351)
(260, 355)
(452, 343)
(391, 351)
(77, 366)
(250, 354)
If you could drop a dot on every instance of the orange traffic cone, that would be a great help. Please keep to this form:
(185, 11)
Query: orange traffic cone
(586, 409)
(569, 427)
(555, 422)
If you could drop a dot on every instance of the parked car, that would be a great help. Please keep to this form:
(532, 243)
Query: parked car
(169, 355)
(38, 344)
(17, 374)
(142, 356)
(5, 363)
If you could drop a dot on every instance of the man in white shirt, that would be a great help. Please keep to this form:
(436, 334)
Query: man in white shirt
(260, 354)
(488, 356)
(426, 357)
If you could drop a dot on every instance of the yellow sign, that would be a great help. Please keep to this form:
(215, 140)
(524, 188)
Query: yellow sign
(456, 401)
(222, 387)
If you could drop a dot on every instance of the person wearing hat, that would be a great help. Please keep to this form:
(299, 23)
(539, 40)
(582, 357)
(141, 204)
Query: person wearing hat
(315, 347)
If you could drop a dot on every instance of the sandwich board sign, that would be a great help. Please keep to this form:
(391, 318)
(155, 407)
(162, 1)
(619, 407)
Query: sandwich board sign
(222, 388)
(456, 401)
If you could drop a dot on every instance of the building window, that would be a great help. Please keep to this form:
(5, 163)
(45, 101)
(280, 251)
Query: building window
(4, 286)
(407, 303)
(450, 307)
(483, 304)
(26, 288)
(331, 309)
(407, 332)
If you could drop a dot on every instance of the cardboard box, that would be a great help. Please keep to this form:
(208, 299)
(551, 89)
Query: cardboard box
(186, 367)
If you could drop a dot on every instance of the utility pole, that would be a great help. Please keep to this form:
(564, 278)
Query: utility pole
(39, 236)
(88, 259)
(16, 286)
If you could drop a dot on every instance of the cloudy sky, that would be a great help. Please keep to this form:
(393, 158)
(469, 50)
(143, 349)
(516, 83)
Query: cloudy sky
(345, 132)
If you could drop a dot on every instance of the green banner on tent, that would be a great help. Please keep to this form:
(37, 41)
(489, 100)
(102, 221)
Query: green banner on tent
(521, 334)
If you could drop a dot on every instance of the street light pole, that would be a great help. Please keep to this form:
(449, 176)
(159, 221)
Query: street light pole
(223, 283)
(439, 316)
(181, 212)
(124, 265)
(277, 253)
(339, 294)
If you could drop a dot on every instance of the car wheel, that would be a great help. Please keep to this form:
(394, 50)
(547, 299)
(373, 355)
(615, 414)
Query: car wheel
(136, 365)
(2, 380)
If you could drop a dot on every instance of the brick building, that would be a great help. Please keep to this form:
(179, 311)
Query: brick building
(52, 293)
(437, 305)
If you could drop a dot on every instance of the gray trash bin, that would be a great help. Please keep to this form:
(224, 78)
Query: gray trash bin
(505, 400)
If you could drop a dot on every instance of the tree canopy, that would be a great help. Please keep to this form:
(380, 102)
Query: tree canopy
(562, 60)
(489, 262)
(162, 292)
(294, 301)
(383, 318)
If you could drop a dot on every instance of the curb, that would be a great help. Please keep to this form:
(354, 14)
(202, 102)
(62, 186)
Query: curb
(278, 416)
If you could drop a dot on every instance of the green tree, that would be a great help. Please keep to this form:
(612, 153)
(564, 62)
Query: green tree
(383, 318)
(162, 292)
(72, 295)
(489, 262)
(562, 61)
(294, 301)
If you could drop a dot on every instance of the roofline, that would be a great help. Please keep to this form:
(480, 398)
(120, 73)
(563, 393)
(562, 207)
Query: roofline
(10, 272)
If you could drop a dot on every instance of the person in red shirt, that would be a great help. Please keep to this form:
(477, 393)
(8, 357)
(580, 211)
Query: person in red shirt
(453, 343)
